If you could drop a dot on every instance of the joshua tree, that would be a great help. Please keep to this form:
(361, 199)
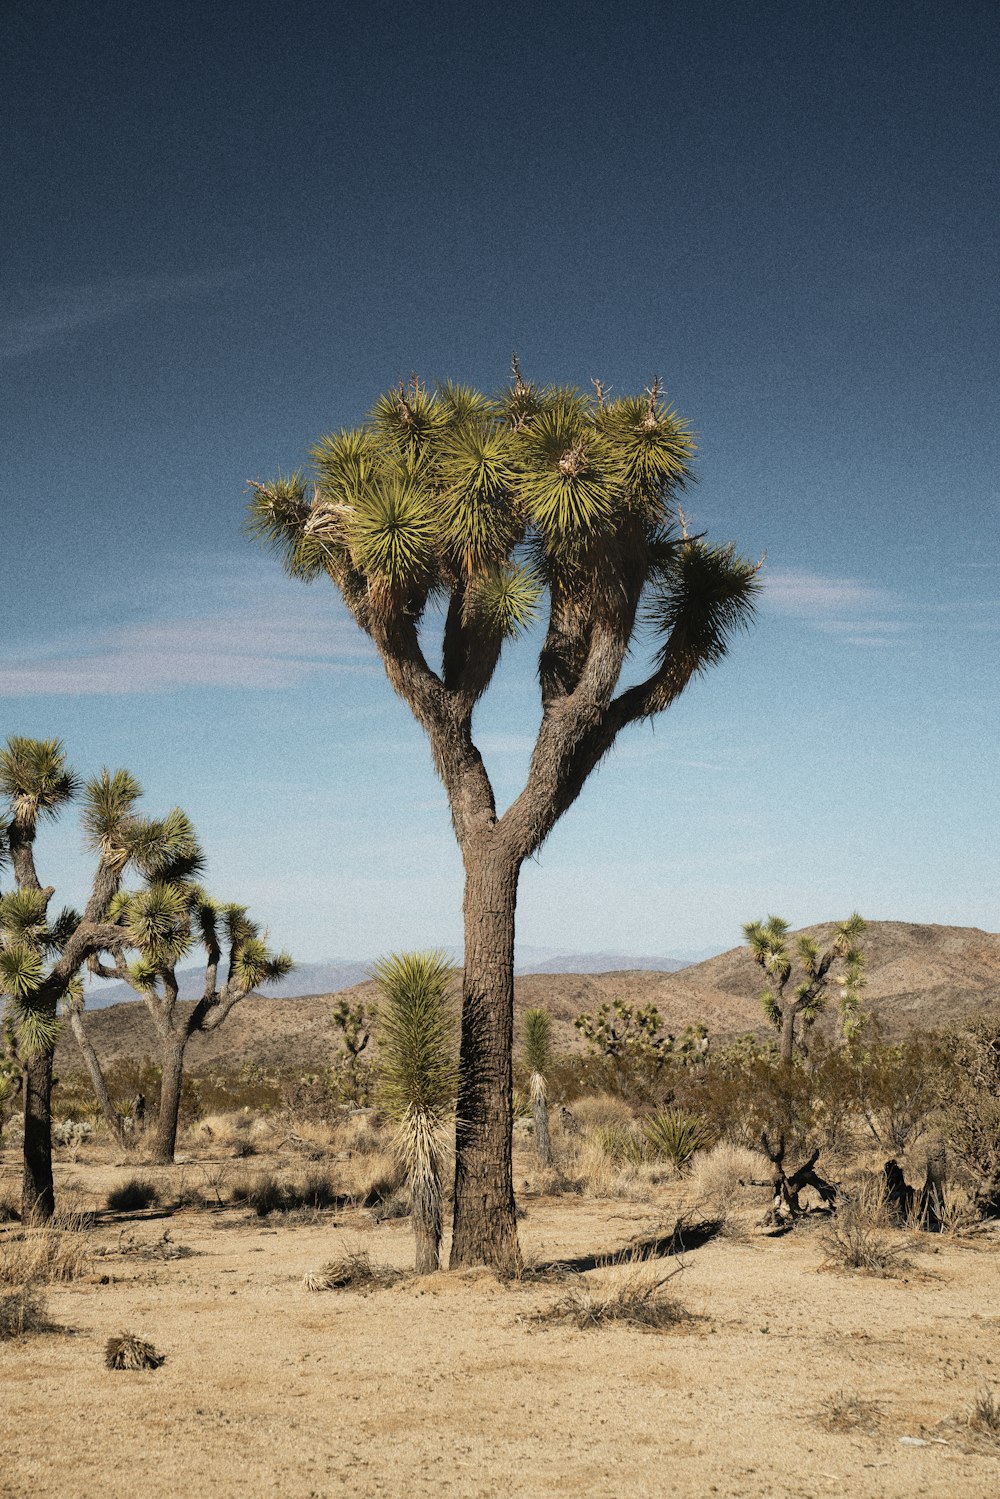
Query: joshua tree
(417, 1081)
(769, 949)
(354, 1024)
(491, 507)
(538, 1059)
(164, 922)
(41, 956)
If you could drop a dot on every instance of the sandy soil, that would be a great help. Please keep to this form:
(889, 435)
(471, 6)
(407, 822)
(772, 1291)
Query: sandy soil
(446, 1385)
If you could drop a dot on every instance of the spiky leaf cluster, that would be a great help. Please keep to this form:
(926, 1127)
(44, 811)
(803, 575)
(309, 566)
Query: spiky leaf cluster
(35, 779)
(417, 1063)
(536, 1029)
(445, 491)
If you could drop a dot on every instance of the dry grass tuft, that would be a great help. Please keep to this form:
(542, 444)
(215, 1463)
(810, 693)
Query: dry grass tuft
(133, 1196)
(984, 1417)
(637, 1301)
(856, 1238)
(22, 1311)
(845, 1412)
(39, 1256)
(354, 1271)
(129, 1352)
(602, 1111)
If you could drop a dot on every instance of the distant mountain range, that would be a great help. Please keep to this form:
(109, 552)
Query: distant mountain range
(344, 973)
(917, 976)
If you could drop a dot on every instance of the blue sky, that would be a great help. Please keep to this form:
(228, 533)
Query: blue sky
(233, 229)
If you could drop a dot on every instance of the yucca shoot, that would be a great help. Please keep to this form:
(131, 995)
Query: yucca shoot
(418, 1080)
(537, 1033)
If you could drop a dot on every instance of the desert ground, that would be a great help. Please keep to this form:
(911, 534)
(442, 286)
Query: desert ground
(783, 1375)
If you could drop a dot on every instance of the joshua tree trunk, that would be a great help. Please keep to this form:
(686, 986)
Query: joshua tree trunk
(172, 1079)
(485, 1230)
(111, 1116)
(540, 1109)
(427, 1225)
(788, 1032)
(37, 1192)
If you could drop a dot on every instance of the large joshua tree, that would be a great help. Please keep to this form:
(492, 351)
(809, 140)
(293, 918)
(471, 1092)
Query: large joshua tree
(41, 956)
(490, 507)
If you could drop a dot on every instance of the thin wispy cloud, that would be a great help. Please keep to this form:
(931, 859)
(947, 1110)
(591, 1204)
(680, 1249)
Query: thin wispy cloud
(271, 646)
(38, 316)
(860, 613)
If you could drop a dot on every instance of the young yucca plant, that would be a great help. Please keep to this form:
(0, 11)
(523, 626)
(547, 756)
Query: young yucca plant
(537, 1033)
(675, 1136)
(418, 1079)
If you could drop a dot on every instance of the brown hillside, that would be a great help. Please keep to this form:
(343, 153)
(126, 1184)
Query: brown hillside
(918, 976)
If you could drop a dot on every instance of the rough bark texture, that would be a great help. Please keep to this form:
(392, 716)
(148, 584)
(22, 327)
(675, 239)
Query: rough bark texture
(485, 1229)
(110, 1114)
(427, 1227)
(788, 1032)
(540, 1110)
(172, 1080)
(37, 1191)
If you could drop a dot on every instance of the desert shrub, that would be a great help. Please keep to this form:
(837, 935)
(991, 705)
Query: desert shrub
(40, 1256)
(602, 1111)
(671, 1135)
(72, 1132)
(354, 1271)
(718, 1174)
(971, 1122)
(22, 1311)
(846, 1412)
(857, 1238)
(984, 1416)
(260, 1190)
(316, 1190)
(620, 1143)
(133, 1195)
(639, 1301)
(741, 1094)
(898, 1087)
(955, 1209)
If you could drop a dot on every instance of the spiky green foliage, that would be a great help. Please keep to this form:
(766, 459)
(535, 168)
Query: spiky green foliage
(442, 488)
(536, 1029)
(843, 960)
(418, 1079)
(671, 1135)
(416, 1035)
(34, 778)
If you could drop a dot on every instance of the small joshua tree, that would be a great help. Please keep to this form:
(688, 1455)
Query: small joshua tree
(632, 1041)
(769, 949)
(164, 922)
(417, 1082)
(353, 1076)
(537, 1033)
(41, 956)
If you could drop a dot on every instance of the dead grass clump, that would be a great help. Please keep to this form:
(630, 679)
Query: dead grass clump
(856, 1237)
(984, 1416)
(361, 1134)
(22, 1311)
(8, 1210)
(717, 1175)
(354, 1271)
(370, 1180)
(956, 1210)
(601, 1111)
(133, 1195)
(38, 1256)
(846, 1412)
(129, 1352)
(638, 1301)
(260, 1190)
